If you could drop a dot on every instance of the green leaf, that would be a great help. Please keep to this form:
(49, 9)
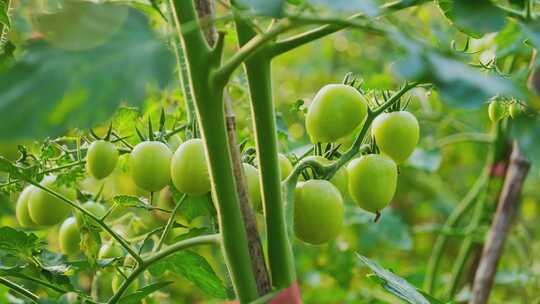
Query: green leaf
(391, 230)
(83, 86)
(474, 18)
(195, 268)
(397, 285)
(18, 242)
(142, 293)
(532, 31)
(132, 201)
(4, 18)
(368, 7)
(193, 206)
(272, 8)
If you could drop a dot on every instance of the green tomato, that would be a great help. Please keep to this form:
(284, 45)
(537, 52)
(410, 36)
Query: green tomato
(340, 178)
(46, 209)
(285, 166)
(253, 184)
(69, 237)
(396, 134)
(497, 110)
(515, 110)
(189, 169)
(21, 209)
(150, 163)
(96, 209)
(110, 251)
(117, 281)
(174, 142)
(336, 111)
(372, 181)
(101, 159)
(318, 211)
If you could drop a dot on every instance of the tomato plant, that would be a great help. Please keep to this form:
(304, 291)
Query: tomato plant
(205, 151)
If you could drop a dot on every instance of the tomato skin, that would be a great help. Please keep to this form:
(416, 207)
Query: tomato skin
(96, 209)
(285, 166)
(340, 178)
(396, 134)
(150, 163)
(497, 110)
(514, 110)
(69, 237)
(189, 169)
(110, 251)
(318, 211)
(21, 209)
(253, 185)
(372, 181)
(46, 209)
(336, 111)
(101, 159)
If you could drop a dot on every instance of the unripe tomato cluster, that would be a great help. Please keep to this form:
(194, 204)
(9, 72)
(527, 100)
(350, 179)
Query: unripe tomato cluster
(370, 180)
(499, 109)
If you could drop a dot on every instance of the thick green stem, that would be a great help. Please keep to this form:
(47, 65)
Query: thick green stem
(258, 70)
(19, 289)
(210, 113)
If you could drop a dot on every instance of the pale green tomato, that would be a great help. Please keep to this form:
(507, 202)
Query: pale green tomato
(110, 251)
(21, 209)
(515, 110)
(497, 110)
(372, 181)
(253, 184)
(96, 209)
(174, 142)
(46, 209)
(101, 159)
(189, 169)
(396, 134)
(340, 178)
(285, 166)
(318, 211)
(336, 111)
(69, 237)
(150, 163)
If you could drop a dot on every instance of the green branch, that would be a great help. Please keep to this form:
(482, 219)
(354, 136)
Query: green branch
(155, 257)
(19, 289)
(333, 25)
(170, 222)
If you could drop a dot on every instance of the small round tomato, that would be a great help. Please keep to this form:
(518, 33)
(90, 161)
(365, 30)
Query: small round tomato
(46, 209)
(253, 184)
(150, 163)
(117, 281)
(336, 111)
(69, 237)
(189, 169)
(96, 209)
(174, 142)
(396, 134)
(372, 181)
(285, 166)
(318, 211)
(340, 178)
(497, 110)
(101, 159)
(110, 251)
(21, 209)
(515, 110)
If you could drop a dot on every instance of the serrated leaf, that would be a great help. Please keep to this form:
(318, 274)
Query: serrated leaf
(474, 18)
(18, 242)
(396, 285)
(79, 88)
(142, 293)
(194, 268)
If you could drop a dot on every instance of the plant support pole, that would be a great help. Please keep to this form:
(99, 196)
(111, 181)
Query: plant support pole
(508, 203)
